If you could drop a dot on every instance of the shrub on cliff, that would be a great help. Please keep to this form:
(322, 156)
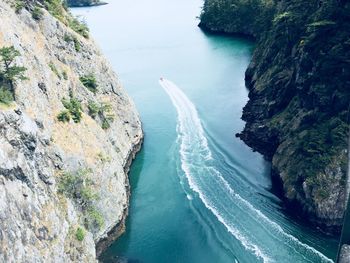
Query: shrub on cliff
(80, 234)
(93, 108)
(37, 13)
(73, 110)
(89, 81)
(55, 8)
(106, 115)
(64, 116)
(103, 111)
(10, 72)
(69, 38)
(94, 220)
(54, 70)
(19, 5)
(79, 187)
(6, 96)
(74, 107)
(78, 26)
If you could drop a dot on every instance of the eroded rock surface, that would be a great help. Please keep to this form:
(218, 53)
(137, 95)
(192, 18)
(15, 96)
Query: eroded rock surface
(38, 224)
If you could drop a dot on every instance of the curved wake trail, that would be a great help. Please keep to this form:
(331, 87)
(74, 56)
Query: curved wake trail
(255, 231)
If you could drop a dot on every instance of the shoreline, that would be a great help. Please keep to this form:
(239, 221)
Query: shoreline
(115, 232)
(207, 30)
(89, 5)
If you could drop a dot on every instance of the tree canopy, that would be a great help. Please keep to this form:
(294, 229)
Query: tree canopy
(10, 72)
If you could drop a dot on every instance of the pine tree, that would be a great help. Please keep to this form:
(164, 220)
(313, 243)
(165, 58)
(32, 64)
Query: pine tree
(9, 71)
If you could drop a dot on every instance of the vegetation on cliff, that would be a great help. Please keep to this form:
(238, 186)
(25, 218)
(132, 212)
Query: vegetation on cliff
(80, 3)
(10, 72)
(56, 8)
(246, 17)
(298, 108)
(79, 187)
(38, 221)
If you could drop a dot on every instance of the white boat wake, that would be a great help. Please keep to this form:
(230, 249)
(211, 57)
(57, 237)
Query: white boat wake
(239, 217)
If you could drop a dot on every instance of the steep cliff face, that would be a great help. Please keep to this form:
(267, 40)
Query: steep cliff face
(40, 220)
(297, 113)
(80, 3)
(243, 17)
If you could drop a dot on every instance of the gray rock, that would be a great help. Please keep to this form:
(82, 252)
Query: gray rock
(344, 254)
(36, 223)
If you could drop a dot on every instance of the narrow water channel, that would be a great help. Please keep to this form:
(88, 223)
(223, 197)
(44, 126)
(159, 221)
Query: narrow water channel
(198, 193)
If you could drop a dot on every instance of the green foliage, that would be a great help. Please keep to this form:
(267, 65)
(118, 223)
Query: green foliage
(103, 111)
(94, 220)
(9, 73)
(73, 105)
(78, 3)
(55, 8)
(105, 124)
(78, 26)
(15, 73)
(80, 234)
(54, 70)
(73, 110)
(89, 81)
(19, 5)
(68, 38)
(75, 41)
(64, 75)
(64, 116)
(247, 17)
(93, 108)
(6, 96)
(78, 187)
(77, 45)
(316, 148)
(69, 183)
(58, 9)
(106, 115)
(37, 13)
(103, 157)
(321, 194)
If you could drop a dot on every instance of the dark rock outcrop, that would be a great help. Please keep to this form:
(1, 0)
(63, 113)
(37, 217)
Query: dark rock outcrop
(298, 108)
(81, 3)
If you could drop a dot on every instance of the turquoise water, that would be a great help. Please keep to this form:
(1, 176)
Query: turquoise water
(198, 193)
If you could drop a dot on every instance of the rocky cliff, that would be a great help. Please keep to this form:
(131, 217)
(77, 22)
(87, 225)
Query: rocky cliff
(63, 184)
(81, 3)
(298, 109)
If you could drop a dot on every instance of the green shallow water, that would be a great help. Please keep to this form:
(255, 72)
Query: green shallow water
(198, 193)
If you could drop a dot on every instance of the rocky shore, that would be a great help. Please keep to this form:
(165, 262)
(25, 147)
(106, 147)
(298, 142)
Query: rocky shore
(297, 113)
(84, 3)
